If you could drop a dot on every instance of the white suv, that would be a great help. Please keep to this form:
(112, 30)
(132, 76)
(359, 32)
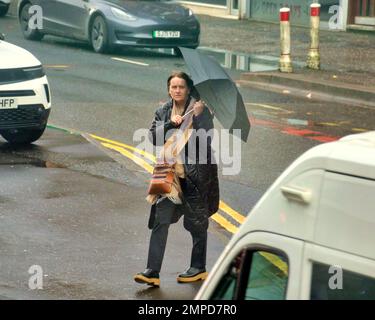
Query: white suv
(4, 7)
(25, 98)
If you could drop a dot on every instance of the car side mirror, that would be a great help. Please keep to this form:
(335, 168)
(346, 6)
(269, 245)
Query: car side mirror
(2, 36)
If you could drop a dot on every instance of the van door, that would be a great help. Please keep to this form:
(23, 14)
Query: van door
(330, 274)
(340, 263)
(345, 216)
(257, 267)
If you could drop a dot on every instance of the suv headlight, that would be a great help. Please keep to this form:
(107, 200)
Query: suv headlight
(121, 14)
(21, 74)
(34, 72)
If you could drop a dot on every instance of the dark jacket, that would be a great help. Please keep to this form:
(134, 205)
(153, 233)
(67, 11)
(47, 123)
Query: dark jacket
(201, 190)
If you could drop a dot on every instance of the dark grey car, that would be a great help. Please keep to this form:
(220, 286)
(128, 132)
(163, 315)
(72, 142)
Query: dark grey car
(111, 23)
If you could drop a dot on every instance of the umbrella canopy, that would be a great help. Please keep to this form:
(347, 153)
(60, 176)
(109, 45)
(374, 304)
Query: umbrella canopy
(218, 90)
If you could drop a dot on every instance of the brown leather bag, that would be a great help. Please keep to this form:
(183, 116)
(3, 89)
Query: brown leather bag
(162, 179)
(163, 174)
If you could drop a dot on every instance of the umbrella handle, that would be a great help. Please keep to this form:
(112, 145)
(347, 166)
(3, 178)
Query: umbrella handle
(187, 113)
(193, 110)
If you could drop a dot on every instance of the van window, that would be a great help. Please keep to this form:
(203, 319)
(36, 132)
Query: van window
(254, 275)
(338, 284)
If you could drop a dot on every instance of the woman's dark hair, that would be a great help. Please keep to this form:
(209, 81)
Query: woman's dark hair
(182, 75)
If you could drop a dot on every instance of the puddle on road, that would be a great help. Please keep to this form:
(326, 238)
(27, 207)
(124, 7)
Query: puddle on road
(33, 162)
(50, 165)
(242, 61)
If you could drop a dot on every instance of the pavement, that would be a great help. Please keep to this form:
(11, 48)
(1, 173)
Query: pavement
(347, 72)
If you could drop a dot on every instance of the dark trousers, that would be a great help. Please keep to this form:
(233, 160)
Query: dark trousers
(166, 213)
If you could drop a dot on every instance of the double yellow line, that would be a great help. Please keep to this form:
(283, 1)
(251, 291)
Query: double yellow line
(146, 160)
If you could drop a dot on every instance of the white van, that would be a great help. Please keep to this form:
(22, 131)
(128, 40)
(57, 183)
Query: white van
(312, 234)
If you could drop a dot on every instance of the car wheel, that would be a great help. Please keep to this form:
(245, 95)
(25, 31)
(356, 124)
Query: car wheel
(99, 35)
(4, 11)
(22, 136)
(28, 33)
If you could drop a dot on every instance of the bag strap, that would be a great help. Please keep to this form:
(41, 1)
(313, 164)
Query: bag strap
(181, 136)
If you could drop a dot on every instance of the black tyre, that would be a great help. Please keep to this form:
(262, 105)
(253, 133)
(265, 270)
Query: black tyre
(28, 33)
(99, 35)
(193, 47)
(177, 52)
(4, 11)
(22, 136)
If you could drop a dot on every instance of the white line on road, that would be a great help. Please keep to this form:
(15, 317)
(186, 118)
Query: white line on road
(131, 61)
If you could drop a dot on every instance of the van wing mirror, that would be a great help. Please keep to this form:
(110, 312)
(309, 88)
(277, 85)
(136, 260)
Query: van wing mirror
(297, 194)
(2, 36)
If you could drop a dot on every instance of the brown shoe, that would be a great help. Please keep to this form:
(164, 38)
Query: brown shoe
(149, 277)
(192, 275)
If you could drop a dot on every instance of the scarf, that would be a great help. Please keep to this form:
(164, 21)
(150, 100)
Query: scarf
(171, 153)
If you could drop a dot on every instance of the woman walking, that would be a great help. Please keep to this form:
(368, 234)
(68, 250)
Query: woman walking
(195, 191)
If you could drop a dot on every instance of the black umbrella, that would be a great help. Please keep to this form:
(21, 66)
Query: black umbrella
(218, 90)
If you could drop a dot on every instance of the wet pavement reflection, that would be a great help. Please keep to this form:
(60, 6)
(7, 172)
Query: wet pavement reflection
(235, 60)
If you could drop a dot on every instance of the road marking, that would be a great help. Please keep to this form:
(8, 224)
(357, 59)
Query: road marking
(234, 214)
(263, 106)
(56, 66)
(223, 206)
(147, 155)
(309, 134)
(120, 147)
(224, 223)
(328, 124)
(130, 61)
(149, 168)
(313, 135)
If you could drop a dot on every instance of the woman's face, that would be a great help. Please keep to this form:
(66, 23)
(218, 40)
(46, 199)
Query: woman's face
(178, 90)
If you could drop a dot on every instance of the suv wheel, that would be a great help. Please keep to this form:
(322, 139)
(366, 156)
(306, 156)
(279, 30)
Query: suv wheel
(22, 136)
(28, 33)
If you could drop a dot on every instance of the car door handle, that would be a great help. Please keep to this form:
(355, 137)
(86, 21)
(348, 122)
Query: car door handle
(297, 194)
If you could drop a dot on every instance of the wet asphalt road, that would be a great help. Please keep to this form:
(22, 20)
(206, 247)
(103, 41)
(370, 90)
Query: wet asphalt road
(85, 228)
(95, 94)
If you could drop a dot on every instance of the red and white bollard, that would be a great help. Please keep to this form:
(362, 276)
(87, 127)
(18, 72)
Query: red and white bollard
(285, 60)
(313, 58)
